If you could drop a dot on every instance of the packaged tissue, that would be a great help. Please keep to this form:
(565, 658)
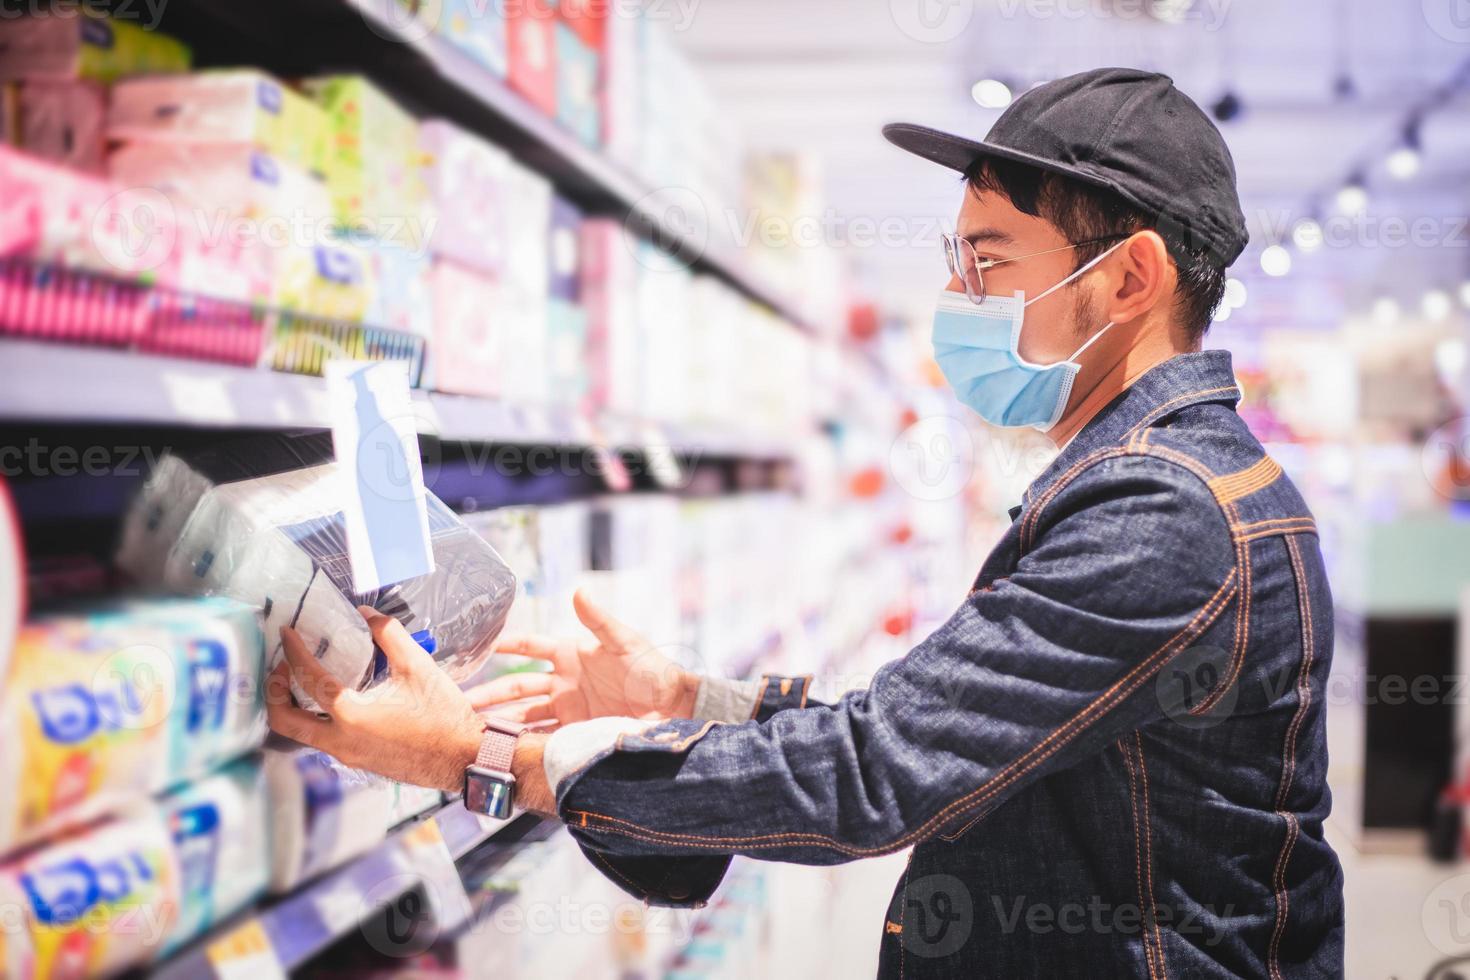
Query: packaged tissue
(578, 69)
(90, 904)
(332, 279)
(373, 161)
(220, 828)
(70, 46)
(321, 814)
(265, 528)
(111, 702)
(64, 122)
(400, 288)
(467, 180)
(477, 27)
(237, 105)
(221, 185)
(465, 350)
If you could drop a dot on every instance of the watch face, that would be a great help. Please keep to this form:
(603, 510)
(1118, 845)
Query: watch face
(488, 793)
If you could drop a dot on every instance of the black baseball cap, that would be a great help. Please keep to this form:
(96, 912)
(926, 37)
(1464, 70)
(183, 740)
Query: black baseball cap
(1126, 131)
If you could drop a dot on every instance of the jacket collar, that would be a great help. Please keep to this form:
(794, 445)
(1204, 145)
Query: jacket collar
(1181, 381)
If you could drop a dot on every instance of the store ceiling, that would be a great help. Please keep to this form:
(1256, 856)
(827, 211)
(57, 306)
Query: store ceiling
(823, 76)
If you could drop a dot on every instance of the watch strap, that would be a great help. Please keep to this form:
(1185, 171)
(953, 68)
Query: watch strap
(497, 749)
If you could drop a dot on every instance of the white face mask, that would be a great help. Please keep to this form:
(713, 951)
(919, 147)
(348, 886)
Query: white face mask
(977, 346)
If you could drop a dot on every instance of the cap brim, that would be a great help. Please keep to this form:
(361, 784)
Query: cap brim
(958, 153)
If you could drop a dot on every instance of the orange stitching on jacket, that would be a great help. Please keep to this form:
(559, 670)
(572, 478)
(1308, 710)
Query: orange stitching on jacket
(1129, 683)
(1137, 845)
(1257, 476)
(1304, 678)
(1271, 532)
(1148, 840)
(1283, 902)
(1274, 520)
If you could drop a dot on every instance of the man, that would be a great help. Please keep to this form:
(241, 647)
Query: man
(1111, 760)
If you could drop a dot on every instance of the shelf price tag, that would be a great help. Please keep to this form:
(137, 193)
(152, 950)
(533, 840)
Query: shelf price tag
(245, 953)
(428, 856)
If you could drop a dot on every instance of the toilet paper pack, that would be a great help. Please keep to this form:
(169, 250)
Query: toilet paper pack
(64, 46)
(93, 903)
(236, 105)
(321, 814)
(269, 532)
(220, 827)
(107, 703)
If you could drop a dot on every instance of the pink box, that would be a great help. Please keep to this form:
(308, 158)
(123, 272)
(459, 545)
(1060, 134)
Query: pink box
(467, 181)
(64, 122)
(464, 350)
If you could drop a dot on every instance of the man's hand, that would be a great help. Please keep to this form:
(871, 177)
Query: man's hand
(416, 726)
(619, 675)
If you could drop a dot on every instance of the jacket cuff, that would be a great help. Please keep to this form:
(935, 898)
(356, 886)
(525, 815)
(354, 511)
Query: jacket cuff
(671, 882)
(720, 699)
(778, 693)
(574, 747)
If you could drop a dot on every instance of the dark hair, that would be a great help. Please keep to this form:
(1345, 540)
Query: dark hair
(1082, 213)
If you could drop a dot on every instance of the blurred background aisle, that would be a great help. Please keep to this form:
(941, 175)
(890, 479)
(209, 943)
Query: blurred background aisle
(662, 294)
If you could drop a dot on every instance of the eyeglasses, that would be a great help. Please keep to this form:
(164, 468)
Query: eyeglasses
(970, 268)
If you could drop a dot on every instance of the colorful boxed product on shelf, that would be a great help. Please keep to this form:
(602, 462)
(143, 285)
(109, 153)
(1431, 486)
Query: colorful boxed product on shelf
(229, 189)
(531, 45)
(331, 279)
(321, 814)
(621, 93)
(477, 27)
(566, 354)
(564, 248)
(609, 295)
(304, 344)
(264, 526)
(235, 105)
(68, 45)
(114, 701)
(467, 182)
(465, 351)
(373, 163)
(578, 70)
(400, 284)
(63, 121)
(220, 831)
(589, 19)
(91, 904)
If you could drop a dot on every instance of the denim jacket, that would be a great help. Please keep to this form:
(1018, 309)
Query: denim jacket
(1110, 761)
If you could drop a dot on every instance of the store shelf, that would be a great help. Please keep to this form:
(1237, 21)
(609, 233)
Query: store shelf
(373, 37)
(313, 917)
(67, 384)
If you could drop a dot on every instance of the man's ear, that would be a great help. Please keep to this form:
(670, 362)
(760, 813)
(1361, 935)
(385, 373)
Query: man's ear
(1145, 277)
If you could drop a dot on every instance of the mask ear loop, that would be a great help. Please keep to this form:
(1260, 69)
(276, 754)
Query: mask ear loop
(1047, 292)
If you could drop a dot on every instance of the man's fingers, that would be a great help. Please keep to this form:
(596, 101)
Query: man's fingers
(315, 680)
(511, 687)
(604, 627)
(528, 711)
(527, 645)
(400, 649)
(295, 723)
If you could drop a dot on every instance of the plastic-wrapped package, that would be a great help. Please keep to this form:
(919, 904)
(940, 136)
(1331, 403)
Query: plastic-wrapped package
(267, 529)
(321, 814)
(89, 46)
(91, 904)
(220, 827)
(109, 703)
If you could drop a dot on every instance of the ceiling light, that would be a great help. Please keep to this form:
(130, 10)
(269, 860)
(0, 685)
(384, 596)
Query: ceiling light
(1465, 295)
(1436, 304)
(991, 93)
(1403, 163)
(1306, 235)
(1227, 108)
(1234, 293)
(1353, 198)
(1222, 313)
(1386, 311)
(1275, 261)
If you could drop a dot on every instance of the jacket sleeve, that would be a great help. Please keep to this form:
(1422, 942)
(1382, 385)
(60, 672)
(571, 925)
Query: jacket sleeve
(1132, 560)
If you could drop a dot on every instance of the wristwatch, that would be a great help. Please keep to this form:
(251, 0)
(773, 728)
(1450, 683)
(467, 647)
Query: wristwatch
(489, 788)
